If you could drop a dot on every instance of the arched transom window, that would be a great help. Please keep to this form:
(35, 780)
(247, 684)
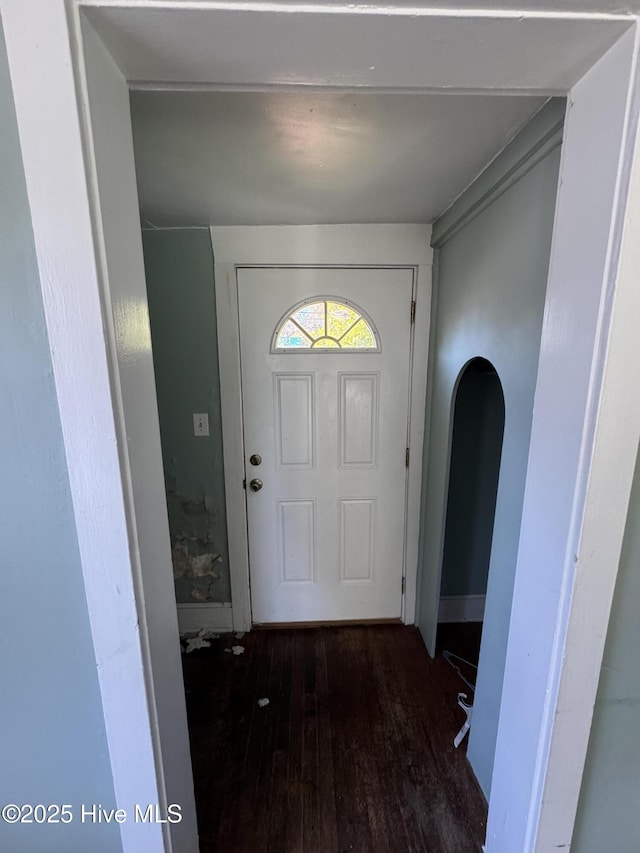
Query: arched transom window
(325, 324)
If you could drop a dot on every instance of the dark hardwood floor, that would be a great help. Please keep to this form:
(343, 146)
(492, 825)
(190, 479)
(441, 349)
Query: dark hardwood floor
(461, 638)
(354, 751)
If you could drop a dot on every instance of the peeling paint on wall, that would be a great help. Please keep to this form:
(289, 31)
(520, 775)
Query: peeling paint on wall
(187, 565)
(181, 292)
(198, 564)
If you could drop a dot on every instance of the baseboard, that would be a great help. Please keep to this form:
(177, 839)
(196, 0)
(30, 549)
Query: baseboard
(213, 616)
(461, 608)
(324, 623)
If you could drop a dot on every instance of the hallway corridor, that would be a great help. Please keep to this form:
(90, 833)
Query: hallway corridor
(353, 752)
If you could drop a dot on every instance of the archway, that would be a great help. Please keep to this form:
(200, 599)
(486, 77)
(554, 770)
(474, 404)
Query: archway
(476, 447)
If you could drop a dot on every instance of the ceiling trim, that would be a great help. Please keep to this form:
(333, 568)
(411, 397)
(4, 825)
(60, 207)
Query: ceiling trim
(351, 9)
(541, 136)
(276, 88)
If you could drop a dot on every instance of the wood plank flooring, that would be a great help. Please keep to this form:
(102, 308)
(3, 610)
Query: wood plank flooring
(354, 751)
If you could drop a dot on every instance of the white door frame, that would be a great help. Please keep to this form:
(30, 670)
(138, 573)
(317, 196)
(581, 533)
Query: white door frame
(589, 361)
(315, 245)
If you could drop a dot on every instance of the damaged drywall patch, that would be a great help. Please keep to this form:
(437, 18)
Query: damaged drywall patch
(195, 572)
(187, 565)
(198, 561)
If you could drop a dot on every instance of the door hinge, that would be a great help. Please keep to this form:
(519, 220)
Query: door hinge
(406, 458)
(244, 484)
(404, 583)
(413, 310)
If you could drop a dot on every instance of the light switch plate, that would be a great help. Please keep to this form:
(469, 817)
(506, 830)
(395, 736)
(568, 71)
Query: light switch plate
(201, 424)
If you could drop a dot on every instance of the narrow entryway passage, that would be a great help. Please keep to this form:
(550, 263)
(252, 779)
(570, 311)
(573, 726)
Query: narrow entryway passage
(353, 752)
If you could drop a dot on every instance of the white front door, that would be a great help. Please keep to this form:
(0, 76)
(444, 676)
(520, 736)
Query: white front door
(325, 390)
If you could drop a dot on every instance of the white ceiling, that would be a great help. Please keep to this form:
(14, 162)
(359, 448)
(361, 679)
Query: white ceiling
(250, 158)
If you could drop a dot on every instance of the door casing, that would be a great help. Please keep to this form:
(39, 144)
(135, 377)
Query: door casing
(565, 574)
(405, 246)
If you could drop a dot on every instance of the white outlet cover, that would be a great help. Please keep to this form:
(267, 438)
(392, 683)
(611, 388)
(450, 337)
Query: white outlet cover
(201, 424)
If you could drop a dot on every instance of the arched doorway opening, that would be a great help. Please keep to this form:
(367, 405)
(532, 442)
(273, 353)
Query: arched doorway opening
(476, 447)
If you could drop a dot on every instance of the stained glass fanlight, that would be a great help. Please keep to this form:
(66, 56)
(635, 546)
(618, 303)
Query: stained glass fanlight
(326, 324)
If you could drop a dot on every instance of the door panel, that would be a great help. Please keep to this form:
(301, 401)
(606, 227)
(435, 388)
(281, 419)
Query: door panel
(358, 419)
(357, 538)
(326, 530)
(294, 407)
(297, 552)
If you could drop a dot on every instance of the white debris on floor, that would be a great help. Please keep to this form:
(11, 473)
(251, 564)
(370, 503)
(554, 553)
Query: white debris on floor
(239, 635)
(194, 643)
(210, 635)
(262, 703)
(202, 640)
(236, 650)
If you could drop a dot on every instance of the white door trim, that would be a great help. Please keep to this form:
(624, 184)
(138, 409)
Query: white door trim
(71, 254)
(323, 245)
(315, 245)
(44, 44)
(584, 442)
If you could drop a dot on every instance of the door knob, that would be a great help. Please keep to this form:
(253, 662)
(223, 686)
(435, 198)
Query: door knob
(255, 459)
(255, 485)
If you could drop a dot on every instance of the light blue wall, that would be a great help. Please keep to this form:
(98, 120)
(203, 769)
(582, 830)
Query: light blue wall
(608, 811)
(493, 255)
(182, 312)
(53, 747)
